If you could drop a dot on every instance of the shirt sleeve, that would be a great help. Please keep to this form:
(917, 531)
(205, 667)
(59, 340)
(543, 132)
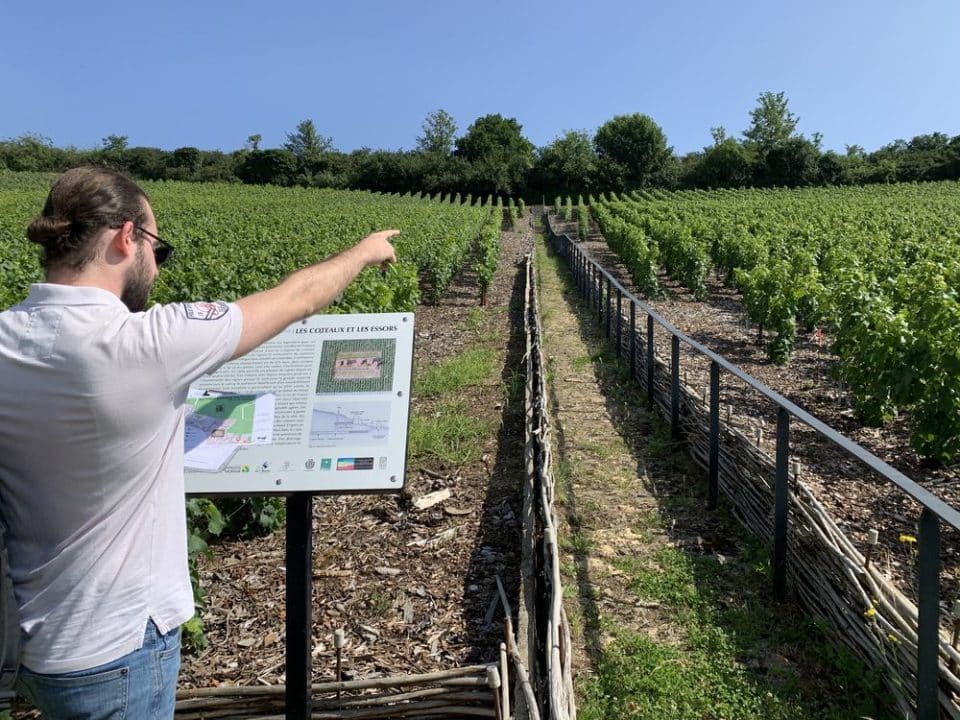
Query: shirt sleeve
(194, 339)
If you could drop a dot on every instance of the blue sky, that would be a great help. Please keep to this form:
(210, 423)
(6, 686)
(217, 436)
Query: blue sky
(209, 74)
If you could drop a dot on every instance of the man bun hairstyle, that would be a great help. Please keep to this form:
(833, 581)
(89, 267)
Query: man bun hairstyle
(80, 205)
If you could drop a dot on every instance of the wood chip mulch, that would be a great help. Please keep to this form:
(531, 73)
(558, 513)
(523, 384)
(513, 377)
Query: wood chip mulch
(410, 578)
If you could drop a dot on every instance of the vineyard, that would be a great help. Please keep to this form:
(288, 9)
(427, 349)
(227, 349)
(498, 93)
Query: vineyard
(876, 269)
(411, 578)
(232, 240)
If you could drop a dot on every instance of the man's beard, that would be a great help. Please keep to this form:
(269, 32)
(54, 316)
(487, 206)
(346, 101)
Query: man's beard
(137, 283)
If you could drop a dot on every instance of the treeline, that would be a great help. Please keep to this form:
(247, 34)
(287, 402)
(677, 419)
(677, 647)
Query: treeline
(493, 157)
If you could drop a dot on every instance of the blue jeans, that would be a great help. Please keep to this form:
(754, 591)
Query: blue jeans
(138, 686)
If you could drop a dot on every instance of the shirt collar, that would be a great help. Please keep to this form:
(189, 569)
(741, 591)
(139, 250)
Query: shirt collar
(57, 294)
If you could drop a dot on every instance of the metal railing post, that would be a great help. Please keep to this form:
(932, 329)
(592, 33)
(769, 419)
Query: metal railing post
(928, 620)
(633, 339)
(713, 491)
(599, 296)
(675, 387)
(619, 322)
(580, 273)
(608, 305)
(780, 504)
(651, 359)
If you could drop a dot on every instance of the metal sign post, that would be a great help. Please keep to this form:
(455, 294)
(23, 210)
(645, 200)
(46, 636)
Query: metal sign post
(299, 555)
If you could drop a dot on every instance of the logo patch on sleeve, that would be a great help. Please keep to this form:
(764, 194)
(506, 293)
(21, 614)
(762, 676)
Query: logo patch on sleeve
(206, 310)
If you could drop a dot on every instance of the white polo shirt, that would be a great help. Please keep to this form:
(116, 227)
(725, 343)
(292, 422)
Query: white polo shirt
(91, 466)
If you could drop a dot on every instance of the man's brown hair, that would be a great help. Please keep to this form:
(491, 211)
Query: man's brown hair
(81, 203)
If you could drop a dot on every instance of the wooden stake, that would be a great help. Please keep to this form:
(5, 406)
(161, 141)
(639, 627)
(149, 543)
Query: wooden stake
(872, 537)
(338, 644)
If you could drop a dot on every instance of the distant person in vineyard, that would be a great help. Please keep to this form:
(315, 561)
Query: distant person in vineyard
(92, 388)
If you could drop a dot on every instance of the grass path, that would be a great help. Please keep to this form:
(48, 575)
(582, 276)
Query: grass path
(670, 605)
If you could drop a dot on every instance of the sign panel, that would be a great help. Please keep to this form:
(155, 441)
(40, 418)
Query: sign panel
(323, 408)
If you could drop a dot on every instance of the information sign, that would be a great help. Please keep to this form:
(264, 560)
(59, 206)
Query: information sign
(321, 408)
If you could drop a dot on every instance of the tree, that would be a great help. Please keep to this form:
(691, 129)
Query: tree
(632, 152)
(567, 166)
(499, 155)
(926, 143)
(112, 151)
(719, 135)
(793, 163)
(309, 147)
(184, 164)
(146, 163)
(30, 152)
(254, 141)
(439, 132)
(268, 167)
(772, 124)
(725, 164)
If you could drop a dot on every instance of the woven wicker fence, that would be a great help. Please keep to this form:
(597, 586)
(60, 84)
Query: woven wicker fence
(544, 630)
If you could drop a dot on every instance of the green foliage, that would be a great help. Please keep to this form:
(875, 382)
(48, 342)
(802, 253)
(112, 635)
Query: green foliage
(310, 149)
(487, 253)
(726, 164)
(499, 154)
(228, 517)
(268, 167)
(877, 268)
(468, 369)
(772, 124)
(204, 522)
(567, 165)
(449, 434)
(583, 219)
(898, 343)
(439, 132)
(731, 654)
(685, 257)
(638, 252)
(632, 153)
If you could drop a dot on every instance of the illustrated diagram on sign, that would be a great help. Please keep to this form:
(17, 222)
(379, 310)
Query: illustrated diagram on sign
(355, 423)
(356, 366)
(218, 423)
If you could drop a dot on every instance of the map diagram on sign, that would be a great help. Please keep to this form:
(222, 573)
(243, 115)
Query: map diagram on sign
(219, 423)
(350, 423)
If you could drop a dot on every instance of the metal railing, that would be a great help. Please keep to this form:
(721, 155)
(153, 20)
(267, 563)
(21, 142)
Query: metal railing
(607, 296)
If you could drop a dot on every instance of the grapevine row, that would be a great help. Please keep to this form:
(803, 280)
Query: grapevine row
(877, 267)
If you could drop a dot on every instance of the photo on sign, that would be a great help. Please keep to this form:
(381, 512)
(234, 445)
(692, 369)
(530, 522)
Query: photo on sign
(352, 366)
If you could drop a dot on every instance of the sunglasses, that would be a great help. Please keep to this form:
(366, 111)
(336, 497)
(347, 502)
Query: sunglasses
(162, 250)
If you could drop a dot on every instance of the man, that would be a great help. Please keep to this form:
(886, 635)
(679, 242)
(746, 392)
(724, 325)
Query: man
(92, 389)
